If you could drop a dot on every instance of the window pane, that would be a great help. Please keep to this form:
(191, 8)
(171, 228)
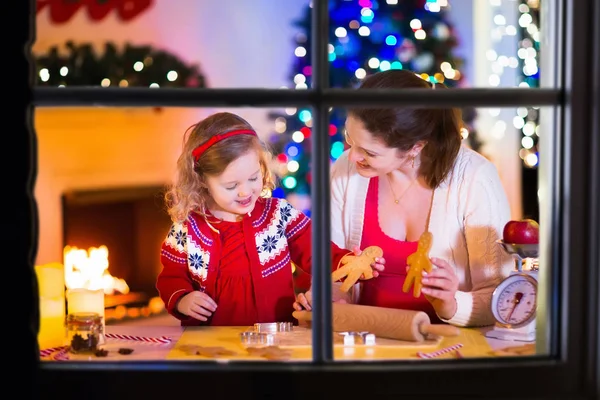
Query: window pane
(173, 44)
(460, 43)
(483, 218)
(103, 218)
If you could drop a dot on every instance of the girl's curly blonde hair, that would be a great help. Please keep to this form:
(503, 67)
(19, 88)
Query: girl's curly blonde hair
(188, 192)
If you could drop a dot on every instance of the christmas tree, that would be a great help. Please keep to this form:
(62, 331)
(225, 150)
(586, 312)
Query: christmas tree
(365, 36)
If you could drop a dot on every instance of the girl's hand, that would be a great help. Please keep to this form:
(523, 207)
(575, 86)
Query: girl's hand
(197, 305)
(303, 301)
(378, 266)
(439, 288)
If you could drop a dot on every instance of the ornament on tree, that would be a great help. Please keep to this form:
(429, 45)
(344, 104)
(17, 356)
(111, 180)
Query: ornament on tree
(406, 51)
(423, 61)
(441, 31)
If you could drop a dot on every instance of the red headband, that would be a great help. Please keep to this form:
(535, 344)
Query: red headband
(198, 151)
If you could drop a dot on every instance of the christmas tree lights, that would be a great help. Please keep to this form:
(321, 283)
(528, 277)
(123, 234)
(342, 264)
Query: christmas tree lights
(365, 36)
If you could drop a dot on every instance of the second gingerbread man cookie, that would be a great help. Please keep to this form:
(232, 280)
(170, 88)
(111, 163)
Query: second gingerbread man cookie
(356, 266)
(417, 263)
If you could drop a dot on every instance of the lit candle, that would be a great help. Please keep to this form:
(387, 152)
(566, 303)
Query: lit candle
(84, 300)
(51, 285)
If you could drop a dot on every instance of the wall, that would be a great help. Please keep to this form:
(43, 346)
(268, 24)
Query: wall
(91, 148)
(502, 140)
(473, 22)
(96, 148)
(223, 36)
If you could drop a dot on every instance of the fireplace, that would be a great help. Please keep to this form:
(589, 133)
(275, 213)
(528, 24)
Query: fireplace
(131, 222)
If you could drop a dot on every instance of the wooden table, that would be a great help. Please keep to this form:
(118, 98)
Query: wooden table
(185, 341)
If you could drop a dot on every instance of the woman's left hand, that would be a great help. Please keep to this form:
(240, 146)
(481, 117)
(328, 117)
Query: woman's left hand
(378, 266)
(439, 287)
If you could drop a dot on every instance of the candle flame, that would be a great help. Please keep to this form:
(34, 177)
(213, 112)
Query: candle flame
(89, 270)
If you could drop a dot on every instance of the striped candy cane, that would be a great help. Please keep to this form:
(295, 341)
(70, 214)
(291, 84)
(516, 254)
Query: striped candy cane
(47, 352)
(440, 352)
(62, 355)
(162, 339)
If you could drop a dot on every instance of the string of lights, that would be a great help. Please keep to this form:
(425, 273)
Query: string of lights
(526, 63)
(529, 46)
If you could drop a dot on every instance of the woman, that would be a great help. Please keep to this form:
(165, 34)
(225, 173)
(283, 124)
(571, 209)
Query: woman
(406, 173)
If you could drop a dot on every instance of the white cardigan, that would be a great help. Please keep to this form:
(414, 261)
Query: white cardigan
(468, 215)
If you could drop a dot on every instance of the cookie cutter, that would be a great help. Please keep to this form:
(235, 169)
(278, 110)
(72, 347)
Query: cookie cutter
(257, 339)
(354, 338)
(273, 327)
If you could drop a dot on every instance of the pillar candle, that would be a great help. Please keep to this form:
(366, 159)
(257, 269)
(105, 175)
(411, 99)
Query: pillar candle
(84, 300)
(51, 285)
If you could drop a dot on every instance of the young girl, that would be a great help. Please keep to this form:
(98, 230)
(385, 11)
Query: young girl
(227, 257)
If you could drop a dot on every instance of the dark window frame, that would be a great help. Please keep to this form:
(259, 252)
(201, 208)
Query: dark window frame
(570, 372)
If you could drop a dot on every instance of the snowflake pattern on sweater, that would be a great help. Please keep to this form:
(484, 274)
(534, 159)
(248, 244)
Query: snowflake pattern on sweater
(275, 226)
(272, 240)
(178, 243)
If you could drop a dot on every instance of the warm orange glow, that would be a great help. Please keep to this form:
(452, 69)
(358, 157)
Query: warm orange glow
(89, 270)
(52, 305)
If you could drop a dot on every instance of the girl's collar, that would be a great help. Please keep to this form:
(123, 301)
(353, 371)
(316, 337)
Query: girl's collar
(212, 219)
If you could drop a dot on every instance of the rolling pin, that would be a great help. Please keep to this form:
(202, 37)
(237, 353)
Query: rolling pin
(391, 323)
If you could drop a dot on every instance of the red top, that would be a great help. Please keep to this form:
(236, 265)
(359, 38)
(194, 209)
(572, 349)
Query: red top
(234, 291)
(386, 290)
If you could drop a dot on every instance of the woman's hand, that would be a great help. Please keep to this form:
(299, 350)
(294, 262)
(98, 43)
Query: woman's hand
(197, 305)
(439, 288)
(378, 266)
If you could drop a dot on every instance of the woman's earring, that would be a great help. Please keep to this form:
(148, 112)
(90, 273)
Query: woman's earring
(413, 161)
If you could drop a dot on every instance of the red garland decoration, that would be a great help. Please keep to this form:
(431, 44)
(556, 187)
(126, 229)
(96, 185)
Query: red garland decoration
(62, 11)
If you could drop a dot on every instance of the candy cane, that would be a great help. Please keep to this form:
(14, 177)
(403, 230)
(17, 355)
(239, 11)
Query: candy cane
(162, 339)
(47, 352)
(440, 352)
(62, 355)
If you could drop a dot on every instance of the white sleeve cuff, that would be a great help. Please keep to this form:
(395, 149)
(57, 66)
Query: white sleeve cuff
(464, 309)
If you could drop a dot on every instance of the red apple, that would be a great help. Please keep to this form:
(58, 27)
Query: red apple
(525, 231)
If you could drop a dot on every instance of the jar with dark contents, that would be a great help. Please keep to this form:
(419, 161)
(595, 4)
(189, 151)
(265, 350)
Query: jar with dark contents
(83, 332)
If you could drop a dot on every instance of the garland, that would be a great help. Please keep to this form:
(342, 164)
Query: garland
(133, 66)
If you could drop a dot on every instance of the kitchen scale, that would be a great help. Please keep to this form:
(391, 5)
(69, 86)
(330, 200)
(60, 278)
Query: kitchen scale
(514, 301)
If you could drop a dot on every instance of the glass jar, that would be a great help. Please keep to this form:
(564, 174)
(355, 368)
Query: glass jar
(84, 331)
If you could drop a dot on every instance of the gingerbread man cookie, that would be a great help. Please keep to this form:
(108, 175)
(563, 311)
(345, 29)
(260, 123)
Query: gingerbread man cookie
(216, 351)
(356, 266)
(418, 262)
(270, 352)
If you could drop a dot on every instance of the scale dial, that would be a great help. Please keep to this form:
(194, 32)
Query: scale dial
(514, 301)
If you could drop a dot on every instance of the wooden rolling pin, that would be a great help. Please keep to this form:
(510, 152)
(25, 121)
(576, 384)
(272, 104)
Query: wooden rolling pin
(388, 323)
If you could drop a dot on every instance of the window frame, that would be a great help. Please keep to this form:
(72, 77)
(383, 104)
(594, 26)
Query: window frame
(572, 369)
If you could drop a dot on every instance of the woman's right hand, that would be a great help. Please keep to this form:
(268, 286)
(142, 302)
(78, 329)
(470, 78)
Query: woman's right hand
(197, 305)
